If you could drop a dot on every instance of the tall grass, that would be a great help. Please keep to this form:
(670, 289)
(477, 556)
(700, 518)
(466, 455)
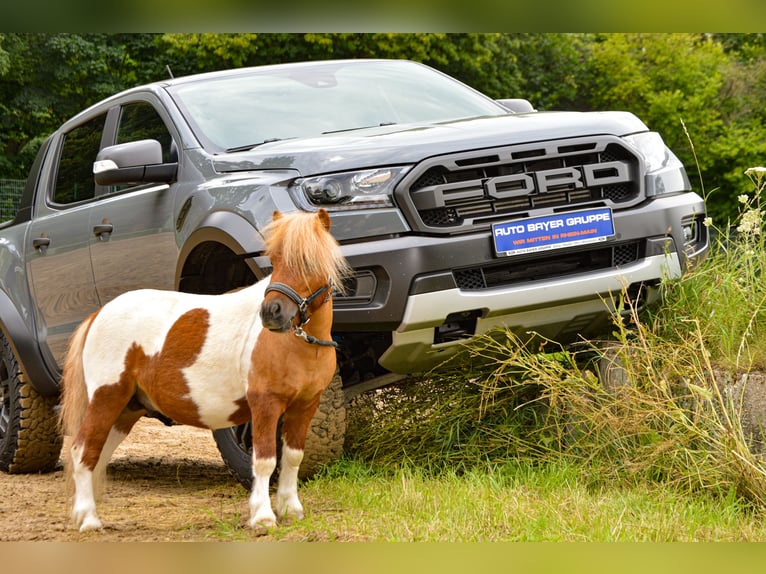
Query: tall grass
(726, 296)
(651, 405)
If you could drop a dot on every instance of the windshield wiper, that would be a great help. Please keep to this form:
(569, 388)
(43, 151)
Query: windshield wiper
(360, 128)
(251, 146)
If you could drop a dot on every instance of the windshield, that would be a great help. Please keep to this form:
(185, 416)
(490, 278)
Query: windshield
(242, 110)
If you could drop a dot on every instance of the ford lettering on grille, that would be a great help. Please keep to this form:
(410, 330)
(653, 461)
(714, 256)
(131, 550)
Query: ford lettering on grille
(471, 190)
(554, 180)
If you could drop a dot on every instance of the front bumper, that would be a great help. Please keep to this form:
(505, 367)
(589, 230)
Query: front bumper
(559, 310)
(408, 285)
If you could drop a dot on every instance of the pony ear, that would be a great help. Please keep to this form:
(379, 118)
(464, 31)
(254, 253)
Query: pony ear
(324, 218)
(276, 215)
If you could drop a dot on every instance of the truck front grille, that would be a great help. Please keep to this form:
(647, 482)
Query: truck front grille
(471, 190)
(511, 270)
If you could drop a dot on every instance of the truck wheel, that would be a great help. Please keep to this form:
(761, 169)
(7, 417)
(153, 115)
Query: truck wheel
(610, 369)
(324, 441)
(30, 440)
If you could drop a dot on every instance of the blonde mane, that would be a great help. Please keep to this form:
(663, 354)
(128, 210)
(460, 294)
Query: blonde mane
(304, 246)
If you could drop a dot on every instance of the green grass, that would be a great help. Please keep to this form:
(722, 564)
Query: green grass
(352, 501)
(725, 297)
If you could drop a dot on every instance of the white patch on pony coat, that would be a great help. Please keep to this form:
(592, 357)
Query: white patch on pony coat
(235, 324)
(217, 379)
(287, 503)
(113, 440)
(261, 514)
(84, 505)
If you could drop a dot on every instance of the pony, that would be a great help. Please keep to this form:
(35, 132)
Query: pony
(211, 361)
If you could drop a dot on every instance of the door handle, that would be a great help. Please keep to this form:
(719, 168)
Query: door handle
(103, 229)
(41, 243)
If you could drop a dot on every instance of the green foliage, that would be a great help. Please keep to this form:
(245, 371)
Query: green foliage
(551, 69)
(664, 79)
(4, 58)
(51, 77)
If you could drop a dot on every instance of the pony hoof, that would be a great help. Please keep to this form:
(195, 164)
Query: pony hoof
(91, 523)
(262, 527)
(290, 517)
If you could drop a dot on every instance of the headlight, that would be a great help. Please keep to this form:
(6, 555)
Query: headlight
(350, 190)
(654, 151)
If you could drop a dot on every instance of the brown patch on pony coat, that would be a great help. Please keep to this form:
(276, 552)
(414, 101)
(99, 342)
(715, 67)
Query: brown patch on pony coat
(161, 375)
(242, 414)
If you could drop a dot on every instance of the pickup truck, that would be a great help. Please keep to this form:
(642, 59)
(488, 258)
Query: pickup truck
(458, 214)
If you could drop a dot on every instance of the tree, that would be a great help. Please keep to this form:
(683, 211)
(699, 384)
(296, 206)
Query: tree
(676, 84)
(48, 78)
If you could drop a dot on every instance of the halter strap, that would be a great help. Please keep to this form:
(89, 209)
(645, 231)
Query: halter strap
(303, 305)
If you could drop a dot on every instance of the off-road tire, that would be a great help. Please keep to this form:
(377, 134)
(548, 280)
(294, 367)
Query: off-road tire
(324, 440)
(30, 440)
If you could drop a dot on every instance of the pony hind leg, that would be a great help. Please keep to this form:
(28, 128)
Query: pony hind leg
(295, 424)
(91, 450)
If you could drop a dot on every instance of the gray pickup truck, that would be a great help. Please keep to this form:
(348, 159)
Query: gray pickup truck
(457, 213)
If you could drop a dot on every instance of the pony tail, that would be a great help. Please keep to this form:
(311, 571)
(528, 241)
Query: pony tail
(74, 395)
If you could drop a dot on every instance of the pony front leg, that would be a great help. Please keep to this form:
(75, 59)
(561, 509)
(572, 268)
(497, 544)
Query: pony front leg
(265, 416)
(295, 424)
(262, 517)
(288, 505)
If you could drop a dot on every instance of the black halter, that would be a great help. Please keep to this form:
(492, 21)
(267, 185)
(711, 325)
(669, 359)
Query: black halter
(303, 305)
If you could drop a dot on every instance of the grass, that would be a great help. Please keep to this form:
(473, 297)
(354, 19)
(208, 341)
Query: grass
(725, 297)
(353, 501)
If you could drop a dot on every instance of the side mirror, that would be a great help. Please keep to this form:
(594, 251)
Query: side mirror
(517, 105)
(133, 163)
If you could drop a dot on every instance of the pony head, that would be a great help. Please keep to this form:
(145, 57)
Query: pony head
(307, 265)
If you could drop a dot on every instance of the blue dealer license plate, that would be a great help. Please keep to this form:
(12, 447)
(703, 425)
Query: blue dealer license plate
(553, 231)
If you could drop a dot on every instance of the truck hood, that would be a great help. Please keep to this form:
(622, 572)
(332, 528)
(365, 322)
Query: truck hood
(411, 143)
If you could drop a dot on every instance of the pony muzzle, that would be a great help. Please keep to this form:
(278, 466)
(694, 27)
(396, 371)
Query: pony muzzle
(278, 314)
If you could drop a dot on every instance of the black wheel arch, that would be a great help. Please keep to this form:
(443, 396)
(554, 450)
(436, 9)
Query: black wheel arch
(26, 349)
(221, 235)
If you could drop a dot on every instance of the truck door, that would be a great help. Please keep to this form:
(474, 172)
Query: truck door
(59, 258)
(132, 233)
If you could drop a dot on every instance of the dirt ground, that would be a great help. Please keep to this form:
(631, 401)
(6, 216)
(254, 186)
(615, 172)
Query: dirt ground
(169, 484)
(164, 484)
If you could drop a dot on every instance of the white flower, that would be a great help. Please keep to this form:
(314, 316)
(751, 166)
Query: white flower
(750, 222)
(707, 222)
(757, 175)
(743, 198)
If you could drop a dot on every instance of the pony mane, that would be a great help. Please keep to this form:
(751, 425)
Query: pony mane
(304, 246)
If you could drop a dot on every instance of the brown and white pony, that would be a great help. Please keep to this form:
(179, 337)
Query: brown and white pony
(211, 361)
